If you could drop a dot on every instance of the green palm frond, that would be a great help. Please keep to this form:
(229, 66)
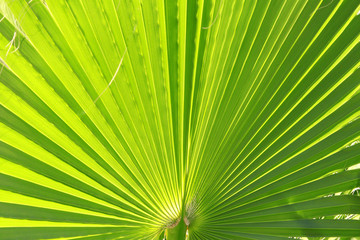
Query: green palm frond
(188, 119)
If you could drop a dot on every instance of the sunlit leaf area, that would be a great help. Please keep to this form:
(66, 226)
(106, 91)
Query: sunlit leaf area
(179, 119)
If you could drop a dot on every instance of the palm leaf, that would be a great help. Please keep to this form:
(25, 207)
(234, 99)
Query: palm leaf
(179, 119)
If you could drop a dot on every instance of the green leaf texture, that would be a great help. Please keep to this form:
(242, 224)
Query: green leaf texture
(196, 119)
